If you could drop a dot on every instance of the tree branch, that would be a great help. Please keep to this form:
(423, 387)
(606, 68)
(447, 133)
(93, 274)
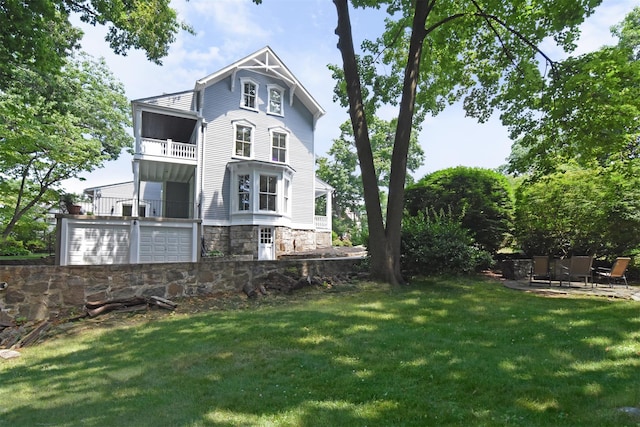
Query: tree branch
(489, 17)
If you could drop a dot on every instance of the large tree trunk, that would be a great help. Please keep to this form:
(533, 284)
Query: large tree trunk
(384, 243)
(382, 262)
(401, 143)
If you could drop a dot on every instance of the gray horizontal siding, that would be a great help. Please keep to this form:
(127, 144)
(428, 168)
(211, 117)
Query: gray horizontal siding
(221, 109)
(180, 101)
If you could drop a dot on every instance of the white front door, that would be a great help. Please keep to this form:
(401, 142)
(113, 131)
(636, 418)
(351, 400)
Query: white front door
(265, 247)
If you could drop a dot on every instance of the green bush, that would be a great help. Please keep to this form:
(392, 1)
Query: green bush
(481, 198)
(579, 211)
(36, 246)
(437, 243)
(12, 247)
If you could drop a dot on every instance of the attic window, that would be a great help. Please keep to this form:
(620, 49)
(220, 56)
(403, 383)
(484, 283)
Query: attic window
(276, 94)
(249, 98)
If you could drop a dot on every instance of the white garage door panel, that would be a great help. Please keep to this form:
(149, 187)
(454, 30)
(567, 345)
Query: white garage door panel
(91, 245)
(160, 244)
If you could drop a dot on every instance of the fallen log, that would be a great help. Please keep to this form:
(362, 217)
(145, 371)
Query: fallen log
(34, 335)
(124, 301)
(163, 302)
(105, 308)
(95, 308)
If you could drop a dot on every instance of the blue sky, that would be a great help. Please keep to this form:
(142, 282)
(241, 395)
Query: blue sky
(301, 32)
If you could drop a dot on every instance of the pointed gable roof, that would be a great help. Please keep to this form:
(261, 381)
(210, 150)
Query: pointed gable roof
(265, 61)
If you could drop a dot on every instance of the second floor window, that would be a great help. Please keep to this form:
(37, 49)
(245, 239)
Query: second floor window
(268, 192)
(249, 94)
(279, 147)
(243, 141)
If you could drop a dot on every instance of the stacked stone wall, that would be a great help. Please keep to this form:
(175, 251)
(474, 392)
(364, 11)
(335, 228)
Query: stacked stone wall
(284, 241)
(243, 240)
(216, 239)
(323, 239)
(38, 292)
(304, 240)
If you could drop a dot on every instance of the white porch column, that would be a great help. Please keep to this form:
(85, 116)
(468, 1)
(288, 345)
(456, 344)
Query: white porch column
(137, 130)
(197, 190)
(328, 207)
(134, 242)
(136, 188)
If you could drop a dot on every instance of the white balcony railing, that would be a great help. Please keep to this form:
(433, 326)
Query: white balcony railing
(322, 222)
(168, 148)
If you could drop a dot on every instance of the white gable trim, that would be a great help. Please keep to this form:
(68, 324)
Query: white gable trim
(265, 61)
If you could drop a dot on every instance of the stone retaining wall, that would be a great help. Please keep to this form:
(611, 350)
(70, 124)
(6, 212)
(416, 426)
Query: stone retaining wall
(37, 292)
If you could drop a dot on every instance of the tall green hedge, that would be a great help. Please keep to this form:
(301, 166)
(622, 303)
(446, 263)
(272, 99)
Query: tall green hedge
(481, 198)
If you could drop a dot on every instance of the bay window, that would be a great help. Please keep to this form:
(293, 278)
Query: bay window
(268, 192)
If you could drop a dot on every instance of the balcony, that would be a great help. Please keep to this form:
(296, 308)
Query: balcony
(168, 150)
(122, 206)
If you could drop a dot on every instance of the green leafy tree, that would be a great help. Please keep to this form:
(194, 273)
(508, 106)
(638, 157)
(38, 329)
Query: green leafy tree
(37, 35)
(481, 198)
(586, 111)
(342, 170)
(435, 53)
(579, 211)
(62, 126)
(59, 114)
(32, 229)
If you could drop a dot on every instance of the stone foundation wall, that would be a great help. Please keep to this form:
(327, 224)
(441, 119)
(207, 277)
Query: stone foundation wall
(38, 292)
(284, 241)
(323, 239)
(216, 239)
(304, 240)
(243, 240)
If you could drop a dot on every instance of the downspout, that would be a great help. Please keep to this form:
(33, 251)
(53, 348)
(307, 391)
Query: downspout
(199, 181)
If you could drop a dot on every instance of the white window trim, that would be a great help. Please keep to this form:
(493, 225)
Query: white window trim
(254, 192)
(279, 89)
(248, 124)
(286, 195)
(244, 80)
(285, 132)
(277, 194)
(236, 201)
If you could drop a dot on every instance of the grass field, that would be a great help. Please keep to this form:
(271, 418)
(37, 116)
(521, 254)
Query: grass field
(23, 257)
(460, 351)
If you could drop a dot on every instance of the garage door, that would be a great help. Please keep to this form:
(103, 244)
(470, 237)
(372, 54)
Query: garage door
(98, 244)
(161, 244)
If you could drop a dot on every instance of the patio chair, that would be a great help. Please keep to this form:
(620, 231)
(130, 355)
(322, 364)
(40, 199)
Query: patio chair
(540, 269)
(616, 273)
(579, 267)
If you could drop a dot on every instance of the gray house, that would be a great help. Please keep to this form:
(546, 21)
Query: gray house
(233, 158)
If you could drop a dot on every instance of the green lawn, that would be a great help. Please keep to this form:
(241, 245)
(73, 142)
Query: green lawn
(30, 256)
(461, 351)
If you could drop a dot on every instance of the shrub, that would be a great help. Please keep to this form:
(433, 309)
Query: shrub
(437, 243)
(36, 246)
(481, 198)
(579, 211)
(12, 247)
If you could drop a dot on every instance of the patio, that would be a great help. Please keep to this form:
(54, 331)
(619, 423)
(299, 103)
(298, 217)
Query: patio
(574, 289)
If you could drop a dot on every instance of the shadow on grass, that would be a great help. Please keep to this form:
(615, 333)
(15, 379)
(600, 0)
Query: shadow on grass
(438, 352)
